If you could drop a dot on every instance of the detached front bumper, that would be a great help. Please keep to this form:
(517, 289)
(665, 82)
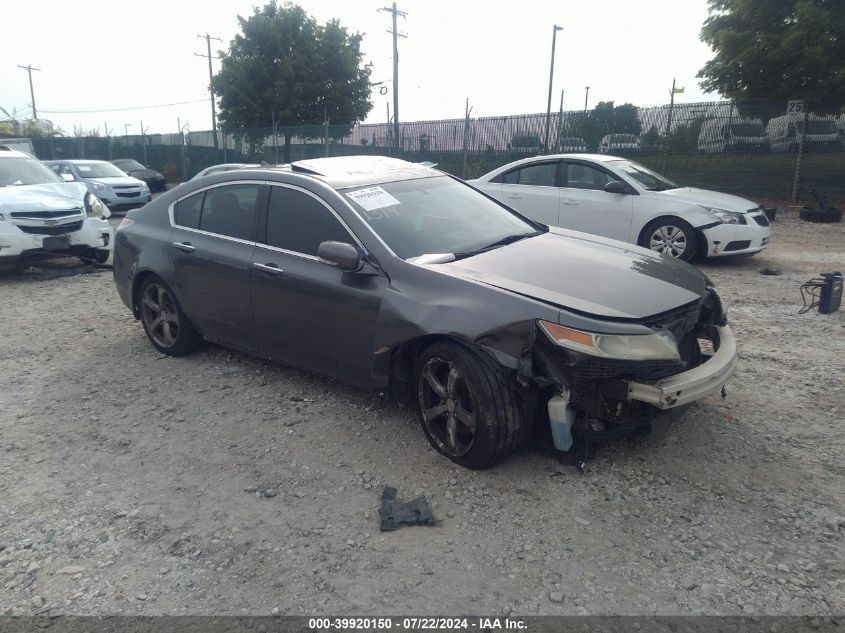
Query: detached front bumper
(693, 384)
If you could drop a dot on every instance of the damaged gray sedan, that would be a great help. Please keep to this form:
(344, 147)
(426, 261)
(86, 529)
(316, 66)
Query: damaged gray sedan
(398, 277)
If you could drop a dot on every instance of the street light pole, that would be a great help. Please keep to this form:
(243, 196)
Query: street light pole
(555, 29)
(126, 127)
(586, 97)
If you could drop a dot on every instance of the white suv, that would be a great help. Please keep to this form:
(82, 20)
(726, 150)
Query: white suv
(42, 216)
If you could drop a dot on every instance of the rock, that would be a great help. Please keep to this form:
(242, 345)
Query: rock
(37, 601)
(141, 596)
(556, 596)
(275, 611)
(71, 569)
(581, 521)
(688, 582)
(163, 571)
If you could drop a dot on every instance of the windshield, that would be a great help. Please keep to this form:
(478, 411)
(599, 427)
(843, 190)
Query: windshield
(821, 127)
(573, 141)
(643, 175)
(623, 138)
(98, 170)
(437, 215)
(129, 165)
(25, 171)
(748, 129)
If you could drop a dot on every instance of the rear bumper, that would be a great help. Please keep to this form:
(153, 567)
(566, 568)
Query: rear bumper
(693, 384)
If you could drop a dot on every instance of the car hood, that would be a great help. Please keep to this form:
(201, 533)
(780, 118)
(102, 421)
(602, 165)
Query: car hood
(111, 181)
(692, 195)
(47, 197)
(586, 274)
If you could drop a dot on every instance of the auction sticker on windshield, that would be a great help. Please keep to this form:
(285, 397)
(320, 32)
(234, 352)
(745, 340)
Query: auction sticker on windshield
(373, 198)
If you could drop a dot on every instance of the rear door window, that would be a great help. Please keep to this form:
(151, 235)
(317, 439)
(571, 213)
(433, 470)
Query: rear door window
(231, 211)
(541, 175)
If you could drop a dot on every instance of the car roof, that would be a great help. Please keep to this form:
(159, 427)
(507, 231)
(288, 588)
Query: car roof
(76, 161)
(353, 171)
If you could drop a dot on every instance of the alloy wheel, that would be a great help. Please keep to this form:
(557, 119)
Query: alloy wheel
(160, 315)
(669, 240)
(447, 408)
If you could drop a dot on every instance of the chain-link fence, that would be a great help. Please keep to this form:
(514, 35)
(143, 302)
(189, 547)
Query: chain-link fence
(754, 149)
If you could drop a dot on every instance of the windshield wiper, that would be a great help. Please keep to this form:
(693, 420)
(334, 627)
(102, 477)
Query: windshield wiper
(663, 188)
(508, 239)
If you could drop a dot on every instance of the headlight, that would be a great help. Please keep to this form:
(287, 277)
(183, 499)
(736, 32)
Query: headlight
(726, 217)
(99, 187)
(655, 346)
(94, 207)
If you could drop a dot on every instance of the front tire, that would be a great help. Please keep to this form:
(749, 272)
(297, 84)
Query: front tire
(467, 406)
(671, 236)
(101, 256)
(167, 327)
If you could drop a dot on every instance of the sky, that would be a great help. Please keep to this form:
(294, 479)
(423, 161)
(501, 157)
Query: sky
(107, 62)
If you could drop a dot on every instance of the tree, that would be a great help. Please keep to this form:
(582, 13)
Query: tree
(284, 63)
(777, 50)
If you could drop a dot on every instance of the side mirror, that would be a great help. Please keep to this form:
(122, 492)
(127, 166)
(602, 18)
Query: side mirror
(340, 255)
(616, 186)
(68, 177)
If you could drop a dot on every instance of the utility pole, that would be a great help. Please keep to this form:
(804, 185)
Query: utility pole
(560, 122)
(108, 137)
(396, 35)
(126, 127)
(28, 68)
(668, 128)
(326, 130)
(551, 78)
(466, 138)
(144, 141)
(586, 97)
(208, 39)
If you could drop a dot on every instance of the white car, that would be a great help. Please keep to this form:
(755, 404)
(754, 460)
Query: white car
(42, 216)
(217, 169)
(118, 190)
(618, 198)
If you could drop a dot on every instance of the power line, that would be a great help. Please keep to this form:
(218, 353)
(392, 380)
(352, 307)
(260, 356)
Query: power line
(123, 108)
(208, 39)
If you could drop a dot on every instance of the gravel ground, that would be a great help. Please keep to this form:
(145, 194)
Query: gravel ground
(124, 473)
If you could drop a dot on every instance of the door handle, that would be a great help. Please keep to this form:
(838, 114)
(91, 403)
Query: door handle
(185, 247)
(268, 268)
(569, 201)
(515, 196)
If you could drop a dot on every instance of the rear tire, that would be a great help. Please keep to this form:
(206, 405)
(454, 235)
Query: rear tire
(167, 327)
(468, 407)
(671, 236)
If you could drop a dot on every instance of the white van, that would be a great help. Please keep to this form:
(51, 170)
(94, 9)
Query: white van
(719, 136)
(785, 133)
(18, 145)
(620, 144)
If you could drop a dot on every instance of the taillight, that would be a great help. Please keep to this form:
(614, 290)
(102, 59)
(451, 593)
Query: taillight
(124, 223)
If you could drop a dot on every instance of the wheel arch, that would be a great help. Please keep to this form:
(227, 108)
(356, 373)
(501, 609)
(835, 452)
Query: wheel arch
(403, 362)
(701, 239)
